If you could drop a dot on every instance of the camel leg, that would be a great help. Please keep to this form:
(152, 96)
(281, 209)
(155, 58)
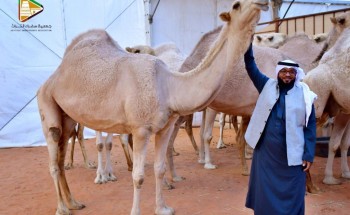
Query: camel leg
(69, 164)
(141, 138)
(161, 145)
(189, 131)
(68, 128)
(100, 176)
(170, 155)
(344, 153)
(108, 172)
(234, 121)
(176, 129)
(207, 137)
(125, 139)
(51, 119)
(242, 143)
(222, 122)
(310, 187)
(335, 140)
(88, 164)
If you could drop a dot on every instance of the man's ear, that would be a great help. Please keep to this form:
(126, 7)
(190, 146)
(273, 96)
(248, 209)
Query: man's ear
(225, 17)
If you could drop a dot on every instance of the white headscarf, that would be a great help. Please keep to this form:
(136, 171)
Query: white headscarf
(309, 96)
(291, 64)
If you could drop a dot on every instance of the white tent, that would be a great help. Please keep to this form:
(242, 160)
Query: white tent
(31, 51)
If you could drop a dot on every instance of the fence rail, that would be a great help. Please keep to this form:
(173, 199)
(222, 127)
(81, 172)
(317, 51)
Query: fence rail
(310, 24)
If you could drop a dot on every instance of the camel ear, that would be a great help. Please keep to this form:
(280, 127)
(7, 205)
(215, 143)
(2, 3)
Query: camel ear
(128, 49)
(225, 17)
(333, 20)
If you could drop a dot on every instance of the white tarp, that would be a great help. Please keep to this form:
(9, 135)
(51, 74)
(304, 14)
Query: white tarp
(28, 58)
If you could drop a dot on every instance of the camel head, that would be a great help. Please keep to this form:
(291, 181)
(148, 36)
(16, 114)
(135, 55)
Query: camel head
(340, 22)
(272, 40)
(141, 49)
(243, 17)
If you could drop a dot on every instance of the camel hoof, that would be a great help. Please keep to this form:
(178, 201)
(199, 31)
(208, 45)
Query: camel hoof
(331, 181)
(245, 172)
(345, 175)
(68, 166)
(100, 179)
(168, 187)
(176, 153)
(165, 211)
(74, 205)
(111, 177)
(201, 161)
(178, 178)
(63, 211)
(220, 145)
(313, 189)
(210, 166)
(91, 165)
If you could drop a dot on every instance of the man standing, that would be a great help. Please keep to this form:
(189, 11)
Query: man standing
(282, 131)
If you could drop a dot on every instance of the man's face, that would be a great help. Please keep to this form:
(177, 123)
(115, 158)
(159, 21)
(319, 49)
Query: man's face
(287, 75)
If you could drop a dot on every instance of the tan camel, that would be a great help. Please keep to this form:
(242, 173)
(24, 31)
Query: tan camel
(173, 58)
(341, 129)
(103, 175)
(171, 55)
(272, 40)
(101, 69)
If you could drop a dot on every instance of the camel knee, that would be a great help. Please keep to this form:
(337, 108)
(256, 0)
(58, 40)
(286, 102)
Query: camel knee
(208, 138)
(55, 133)
(138, 181)
(160, 170)
(99, 147)
(109, 146)
(54, 171)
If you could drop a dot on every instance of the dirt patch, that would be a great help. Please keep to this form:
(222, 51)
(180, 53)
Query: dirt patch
(27, 187)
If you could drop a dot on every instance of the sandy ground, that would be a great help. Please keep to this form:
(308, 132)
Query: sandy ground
(26, 186)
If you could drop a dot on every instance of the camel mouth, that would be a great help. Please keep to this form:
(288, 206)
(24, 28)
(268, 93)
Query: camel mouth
(262, 6)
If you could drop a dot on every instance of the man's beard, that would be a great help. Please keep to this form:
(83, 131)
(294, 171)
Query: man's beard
(287, 85)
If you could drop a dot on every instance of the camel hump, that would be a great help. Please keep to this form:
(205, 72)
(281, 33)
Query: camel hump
(95, 37)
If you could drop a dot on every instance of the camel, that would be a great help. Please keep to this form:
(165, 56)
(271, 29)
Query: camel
(340, 138)
(171, 55)
(78, 135)
(340, 133)
(173, 58)
(155, 97)
(272, 40)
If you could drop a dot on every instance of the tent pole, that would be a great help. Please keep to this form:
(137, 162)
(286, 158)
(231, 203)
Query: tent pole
(147, 22)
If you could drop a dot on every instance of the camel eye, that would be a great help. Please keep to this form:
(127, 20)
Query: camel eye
(341, 21)
(270, 38)
(236, 6)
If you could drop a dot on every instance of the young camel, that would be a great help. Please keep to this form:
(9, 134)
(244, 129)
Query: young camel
(155, 97)
(103, 175)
